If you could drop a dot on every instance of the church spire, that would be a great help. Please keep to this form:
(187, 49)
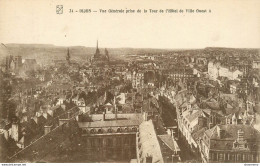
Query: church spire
(68, 56)
(97, 50)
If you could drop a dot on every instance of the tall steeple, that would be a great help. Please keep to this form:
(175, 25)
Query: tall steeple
(68, 56)
(106, 53)
(97, 50)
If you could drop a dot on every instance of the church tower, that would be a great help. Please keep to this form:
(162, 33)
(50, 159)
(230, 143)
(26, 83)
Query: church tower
(106, 54)
(98, 58)
(68, 56)
(97, 54)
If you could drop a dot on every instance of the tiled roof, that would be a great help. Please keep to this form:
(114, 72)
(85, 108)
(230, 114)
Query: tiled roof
(122, 120)
(112, 123)
(168, 140)
(199, 133)
(231, 131)
(230, 135)
(149, 142)
(195, 114)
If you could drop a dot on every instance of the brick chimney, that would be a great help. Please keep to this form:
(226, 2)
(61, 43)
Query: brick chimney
(104, 116)
(47, 129)
(69, 115)
(145, 116)
(211, 125)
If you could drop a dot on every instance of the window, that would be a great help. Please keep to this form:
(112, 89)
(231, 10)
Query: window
(84, 131)
(109, 130)
(92, 131)
(243, 157)
(99, 131)
(118, 130)
(134, 129)
(220, 157)
(238, 157)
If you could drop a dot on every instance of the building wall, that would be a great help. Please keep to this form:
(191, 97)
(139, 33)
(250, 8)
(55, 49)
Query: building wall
(233, 157)
(101, 147)
(215, 70)
(227, 155)
(256, 64)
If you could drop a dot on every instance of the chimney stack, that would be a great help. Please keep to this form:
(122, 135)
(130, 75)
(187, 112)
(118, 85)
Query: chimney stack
(104, 116)
(145, 116)
(69, 115)
(47, 129)
(116, 114)
(210, 125)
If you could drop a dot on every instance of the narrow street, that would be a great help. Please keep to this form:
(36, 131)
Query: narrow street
(169, 117)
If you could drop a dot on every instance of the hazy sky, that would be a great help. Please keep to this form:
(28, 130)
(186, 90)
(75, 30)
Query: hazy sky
(231, 23)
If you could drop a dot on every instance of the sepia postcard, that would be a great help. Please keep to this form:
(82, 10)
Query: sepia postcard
(127, 81)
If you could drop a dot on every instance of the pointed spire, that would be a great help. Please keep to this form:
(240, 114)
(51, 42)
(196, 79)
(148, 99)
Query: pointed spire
(106, 53)
(68, 56)
(97, 50)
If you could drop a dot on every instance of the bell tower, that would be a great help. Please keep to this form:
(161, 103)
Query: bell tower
(97, 51)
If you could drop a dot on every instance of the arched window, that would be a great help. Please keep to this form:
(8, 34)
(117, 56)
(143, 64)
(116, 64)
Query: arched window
(84, 131)
(100, 131)
(134, 129)
(92, 131)
(126, 129)
(109, 130)
(119, 130)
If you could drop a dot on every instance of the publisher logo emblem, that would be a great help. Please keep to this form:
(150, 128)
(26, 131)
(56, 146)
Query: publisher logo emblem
(59, 9)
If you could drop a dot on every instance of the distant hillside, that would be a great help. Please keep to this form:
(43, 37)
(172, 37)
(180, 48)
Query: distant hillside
(45, 53)
(228, 49)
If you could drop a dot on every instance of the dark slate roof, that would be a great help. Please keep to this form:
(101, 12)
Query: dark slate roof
(168, 140)
(122, 120)
(230, 135)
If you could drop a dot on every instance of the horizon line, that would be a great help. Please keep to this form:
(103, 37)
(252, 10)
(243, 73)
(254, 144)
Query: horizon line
(197, 48)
